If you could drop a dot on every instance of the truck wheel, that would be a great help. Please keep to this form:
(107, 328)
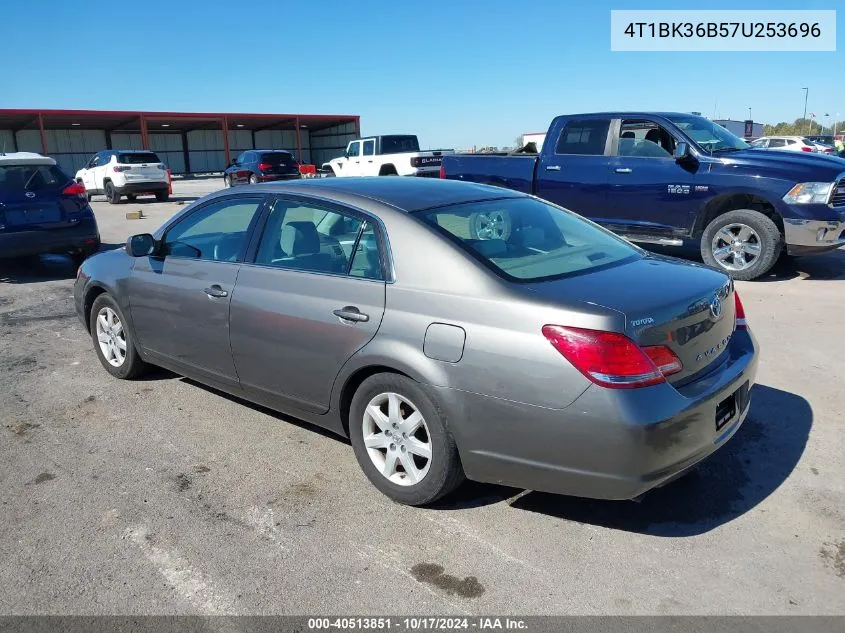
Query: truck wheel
(111, 193)
(494, 225)
(743, 243)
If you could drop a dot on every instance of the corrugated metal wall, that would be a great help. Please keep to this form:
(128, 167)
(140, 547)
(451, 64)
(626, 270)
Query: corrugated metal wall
(330, 143)
(73, 148)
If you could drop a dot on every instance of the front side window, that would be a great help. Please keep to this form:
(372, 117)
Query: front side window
(710, 136)
(216, 232)
(777, 142)
(355, 149)
(303, 236)
(643, 138)
(585, 137)
(524, 239)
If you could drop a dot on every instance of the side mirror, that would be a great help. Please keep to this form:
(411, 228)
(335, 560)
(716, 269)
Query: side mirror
(140, 245)
(681, 151)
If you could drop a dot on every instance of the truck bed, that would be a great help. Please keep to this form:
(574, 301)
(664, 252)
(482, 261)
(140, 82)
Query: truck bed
(511, 171)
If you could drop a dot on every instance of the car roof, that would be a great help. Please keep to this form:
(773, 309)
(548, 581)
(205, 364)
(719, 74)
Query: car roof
(407, 194)
(25, 158)
(270, 151)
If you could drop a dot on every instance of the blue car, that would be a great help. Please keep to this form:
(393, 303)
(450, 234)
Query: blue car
(42, 210)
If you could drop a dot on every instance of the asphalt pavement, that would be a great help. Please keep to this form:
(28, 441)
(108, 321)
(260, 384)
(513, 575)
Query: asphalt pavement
(162, 496)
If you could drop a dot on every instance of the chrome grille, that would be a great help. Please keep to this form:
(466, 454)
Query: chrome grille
(837, 198)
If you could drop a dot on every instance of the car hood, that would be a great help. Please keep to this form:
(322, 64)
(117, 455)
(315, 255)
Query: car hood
(797, 166)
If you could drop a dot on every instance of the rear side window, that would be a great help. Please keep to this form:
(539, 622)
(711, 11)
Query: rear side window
(524, 239)
(369, 147)
(18, 178)
(137, 158)
(586, 137)
(777, 142)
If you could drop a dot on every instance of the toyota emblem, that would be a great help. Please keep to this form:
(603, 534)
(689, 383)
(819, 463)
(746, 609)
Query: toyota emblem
(29, 194)
(716, 307)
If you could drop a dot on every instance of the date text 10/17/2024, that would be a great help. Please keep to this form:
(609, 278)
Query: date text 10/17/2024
(417, 624)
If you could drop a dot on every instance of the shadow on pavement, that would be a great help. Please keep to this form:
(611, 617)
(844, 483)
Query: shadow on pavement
(39, 268)
(740, 475)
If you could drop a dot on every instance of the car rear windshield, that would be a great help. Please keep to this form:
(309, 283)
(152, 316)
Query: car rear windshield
(525, 239)
(138, 158)
(276, 158)
(18, 178)
(399, 144)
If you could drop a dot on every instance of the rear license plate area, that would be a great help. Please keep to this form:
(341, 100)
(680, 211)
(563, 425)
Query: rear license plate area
(33, 216)
(727, 409)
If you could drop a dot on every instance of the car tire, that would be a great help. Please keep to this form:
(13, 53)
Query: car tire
(253, 179)
(128, 366)
(111, 193)
(490, 225)
(439, 474)
(756, 246)
(162, 196)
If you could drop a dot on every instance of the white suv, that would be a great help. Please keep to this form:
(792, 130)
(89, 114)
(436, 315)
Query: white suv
(788, 143)
(130, 173)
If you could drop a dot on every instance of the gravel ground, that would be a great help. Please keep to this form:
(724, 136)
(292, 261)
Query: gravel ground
(165, 497)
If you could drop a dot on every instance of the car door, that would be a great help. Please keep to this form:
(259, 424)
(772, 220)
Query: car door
(179, 297)
(309, 299)
(368, 154)
(101, 169)
(651, 194)
(572, 172)
(353, 164)
(88, 178)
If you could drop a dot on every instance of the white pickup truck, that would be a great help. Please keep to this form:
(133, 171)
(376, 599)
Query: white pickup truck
(395, 155)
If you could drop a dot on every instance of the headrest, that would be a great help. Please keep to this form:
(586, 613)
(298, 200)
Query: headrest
(300, 238)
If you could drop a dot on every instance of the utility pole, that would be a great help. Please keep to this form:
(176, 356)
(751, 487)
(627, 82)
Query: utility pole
(806, 94)
(749, 114)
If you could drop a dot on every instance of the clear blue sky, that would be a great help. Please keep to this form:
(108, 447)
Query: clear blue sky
(456, 73)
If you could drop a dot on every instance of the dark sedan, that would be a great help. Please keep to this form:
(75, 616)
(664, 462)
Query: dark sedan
(42, 210)
(544, 352)
(261, 165)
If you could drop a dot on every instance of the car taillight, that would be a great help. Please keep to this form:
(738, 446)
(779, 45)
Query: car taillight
(806, 149)
(74, 189)
(442, 170)
(264, 166)
(740, 313)
(612, 360)
(120, 168)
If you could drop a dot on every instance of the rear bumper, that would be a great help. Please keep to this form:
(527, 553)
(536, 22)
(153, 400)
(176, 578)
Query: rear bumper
(83, 237)
(274, 177)
(150, 186)
(805, 237)
(608, 444)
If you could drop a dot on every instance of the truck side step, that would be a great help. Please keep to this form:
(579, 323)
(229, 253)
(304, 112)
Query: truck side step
(653, 239)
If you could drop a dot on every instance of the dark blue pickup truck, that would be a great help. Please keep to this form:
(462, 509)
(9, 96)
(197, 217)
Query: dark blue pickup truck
(669, 178)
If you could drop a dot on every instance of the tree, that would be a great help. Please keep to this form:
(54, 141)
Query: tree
(520, 141)
(802, 127)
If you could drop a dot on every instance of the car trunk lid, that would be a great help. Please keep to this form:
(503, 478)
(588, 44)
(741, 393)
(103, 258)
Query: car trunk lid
(688, 308)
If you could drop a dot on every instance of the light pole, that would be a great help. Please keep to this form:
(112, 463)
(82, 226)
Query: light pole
(806, 94)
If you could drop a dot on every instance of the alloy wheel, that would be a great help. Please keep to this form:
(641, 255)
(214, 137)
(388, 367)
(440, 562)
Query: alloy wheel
(397, 439)
(111, 337)
(736, 246)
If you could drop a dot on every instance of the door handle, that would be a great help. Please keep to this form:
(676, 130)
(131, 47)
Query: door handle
(623, 170)
(552, 167)
(351, 313)
(216, 292)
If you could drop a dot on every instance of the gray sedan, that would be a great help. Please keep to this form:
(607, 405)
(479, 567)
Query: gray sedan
(450, 330)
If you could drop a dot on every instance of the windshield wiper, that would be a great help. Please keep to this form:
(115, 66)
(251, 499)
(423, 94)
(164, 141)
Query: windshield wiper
(725, 149)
